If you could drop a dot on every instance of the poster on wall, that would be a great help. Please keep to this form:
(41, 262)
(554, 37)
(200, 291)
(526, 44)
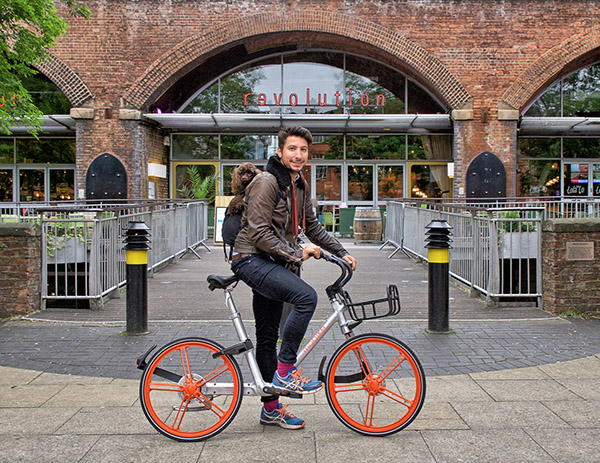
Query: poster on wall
(221, 203)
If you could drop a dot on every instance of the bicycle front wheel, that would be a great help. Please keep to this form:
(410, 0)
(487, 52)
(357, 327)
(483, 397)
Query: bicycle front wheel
(187, 394)
(375, 384)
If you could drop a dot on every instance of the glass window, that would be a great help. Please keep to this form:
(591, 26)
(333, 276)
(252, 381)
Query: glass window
(46, 95)
(389, 182)
(62, 184)
(581, 147)
(31, 185)
(6, 185)
(576, 179)
(360, 183)
(313, 82)
(596, 177)
(327, 147)
(431, 147)
(189, 178)
(429, 181)
(328, 183)
(376, 147)
(7, 151)
(248, 147)
(539, 147)
(53, 151)
(312, 87)
(195, 147)
(547, 105)
(538, 178)
(581, 93)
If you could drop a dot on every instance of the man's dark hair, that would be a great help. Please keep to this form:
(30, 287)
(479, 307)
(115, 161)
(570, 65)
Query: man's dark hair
(293, 131)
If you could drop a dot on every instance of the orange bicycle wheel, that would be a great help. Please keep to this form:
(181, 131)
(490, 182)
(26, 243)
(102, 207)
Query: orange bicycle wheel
(189, 395)
(375, 384)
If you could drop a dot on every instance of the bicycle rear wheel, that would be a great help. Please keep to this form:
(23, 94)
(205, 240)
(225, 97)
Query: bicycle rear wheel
(375, 384)
(188, 395)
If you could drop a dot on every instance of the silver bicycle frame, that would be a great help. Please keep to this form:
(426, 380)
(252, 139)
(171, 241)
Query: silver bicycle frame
(259, 385)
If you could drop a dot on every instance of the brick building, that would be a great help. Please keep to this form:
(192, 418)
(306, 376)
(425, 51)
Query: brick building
(402, 97)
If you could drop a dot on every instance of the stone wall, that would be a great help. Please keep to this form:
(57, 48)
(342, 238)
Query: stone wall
(571, 265)
(20, 267)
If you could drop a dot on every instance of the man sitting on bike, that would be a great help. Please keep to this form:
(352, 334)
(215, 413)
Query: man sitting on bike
(267, 256)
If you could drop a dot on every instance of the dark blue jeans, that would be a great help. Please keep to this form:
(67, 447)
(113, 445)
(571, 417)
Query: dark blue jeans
(272, 285)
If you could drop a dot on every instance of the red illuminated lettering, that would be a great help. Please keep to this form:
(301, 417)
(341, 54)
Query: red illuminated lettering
(294, 98)
(262, 99)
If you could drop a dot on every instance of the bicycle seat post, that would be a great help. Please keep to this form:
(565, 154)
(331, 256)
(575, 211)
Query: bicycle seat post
(234, 316)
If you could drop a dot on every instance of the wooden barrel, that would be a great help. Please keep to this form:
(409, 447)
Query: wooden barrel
(367, 225)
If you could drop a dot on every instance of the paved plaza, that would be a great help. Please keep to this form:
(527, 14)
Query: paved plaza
(508, 384)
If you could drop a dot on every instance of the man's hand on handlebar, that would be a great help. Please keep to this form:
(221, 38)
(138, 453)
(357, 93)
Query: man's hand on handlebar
(311, 250)
(350, 260)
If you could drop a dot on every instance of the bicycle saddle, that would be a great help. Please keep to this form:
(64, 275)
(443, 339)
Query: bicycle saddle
(221, 282)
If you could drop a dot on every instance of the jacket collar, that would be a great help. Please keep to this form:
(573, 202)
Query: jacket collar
(275, 167)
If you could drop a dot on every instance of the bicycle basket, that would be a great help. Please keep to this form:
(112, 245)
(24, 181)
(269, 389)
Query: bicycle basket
(377, 308)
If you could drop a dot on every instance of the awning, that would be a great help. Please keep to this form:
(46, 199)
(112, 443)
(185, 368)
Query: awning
(55, 124)
(323, 123)
(557, 126)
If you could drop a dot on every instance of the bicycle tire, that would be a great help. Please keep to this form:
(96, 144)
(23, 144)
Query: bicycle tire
(380, 394)
(174, 390)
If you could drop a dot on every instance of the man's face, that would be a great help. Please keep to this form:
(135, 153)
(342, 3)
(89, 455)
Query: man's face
(294, 154)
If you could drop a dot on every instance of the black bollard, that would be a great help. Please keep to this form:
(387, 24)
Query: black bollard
(438, 246)
(136, 259)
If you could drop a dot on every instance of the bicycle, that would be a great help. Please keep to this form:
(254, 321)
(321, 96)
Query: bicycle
(374, 383)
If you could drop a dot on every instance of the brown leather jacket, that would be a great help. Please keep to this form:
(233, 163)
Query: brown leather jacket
(266, 221)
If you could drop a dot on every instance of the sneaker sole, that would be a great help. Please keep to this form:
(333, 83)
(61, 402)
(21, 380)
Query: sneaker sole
(281, 390)
(282, 425)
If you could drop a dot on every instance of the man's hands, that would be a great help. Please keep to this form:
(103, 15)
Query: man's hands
(312, 250)
(351, 260)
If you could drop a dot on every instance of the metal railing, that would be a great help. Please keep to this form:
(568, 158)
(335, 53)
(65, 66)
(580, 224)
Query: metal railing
(83, 242)
(495, 250)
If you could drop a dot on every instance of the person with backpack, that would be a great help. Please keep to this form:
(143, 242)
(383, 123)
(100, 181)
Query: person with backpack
(267, 255)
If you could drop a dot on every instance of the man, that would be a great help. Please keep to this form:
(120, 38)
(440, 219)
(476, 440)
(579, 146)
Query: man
(267, 256)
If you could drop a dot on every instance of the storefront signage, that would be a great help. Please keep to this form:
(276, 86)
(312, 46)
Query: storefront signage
(322, 99)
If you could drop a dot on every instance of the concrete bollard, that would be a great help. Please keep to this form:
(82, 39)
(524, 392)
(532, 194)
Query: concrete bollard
(136, 259)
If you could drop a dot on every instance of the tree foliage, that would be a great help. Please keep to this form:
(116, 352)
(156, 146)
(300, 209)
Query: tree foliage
(28, 29)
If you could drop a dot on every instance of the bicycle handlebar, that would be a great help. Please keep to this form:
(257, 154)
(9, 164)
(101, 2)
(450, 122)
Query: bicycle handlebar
(344, 266)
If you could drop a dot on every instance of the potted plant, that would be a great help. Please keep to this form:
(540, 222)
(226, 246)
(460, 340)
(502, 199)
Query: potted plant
(517, 239)
(66, 242)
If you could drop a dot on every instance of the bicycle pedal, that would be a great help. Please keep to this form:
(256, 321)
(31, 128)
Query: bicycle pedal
(283, 393)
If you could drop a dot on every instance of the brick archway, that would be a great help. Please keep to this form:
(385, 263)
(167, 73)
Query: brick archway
(66, 80)
(565, 57)
(163, 71)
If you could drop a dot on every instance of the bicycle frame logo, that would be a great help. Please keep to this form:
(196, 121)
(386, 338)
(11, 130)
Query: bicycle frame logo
(314, 340)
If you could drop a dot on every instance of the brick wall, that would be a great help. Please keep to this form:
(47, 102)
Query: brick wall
(20, 267)
(568, 281)
(478, 54)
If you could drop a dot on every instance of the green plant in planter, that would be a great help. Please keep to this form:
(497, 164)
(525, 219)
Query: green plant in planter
(514, 225)
(198, 187)
(61, 233)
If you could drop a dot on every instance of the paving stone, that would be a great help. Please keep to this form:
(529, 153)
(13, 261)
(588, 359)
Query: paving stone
(107, 420)
(27, 396)
(526, 390)
(579, 414)
(107, 395)
(34, 421)
(570, 445)
(36, 448)
(16, 376)
(485, 446)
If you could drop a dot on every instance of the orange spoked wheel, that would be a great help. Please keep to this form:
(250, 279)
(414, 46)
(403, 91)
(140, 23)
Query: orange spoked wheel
(375, 384)
(189, 394)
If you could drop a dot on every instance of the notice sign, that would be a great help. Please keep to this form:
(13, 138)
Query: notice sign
(580, 251)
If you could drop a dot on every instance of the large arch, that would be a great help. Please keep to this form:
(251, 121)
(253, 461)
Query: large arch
(65, 79)
(189, 53)
(573, 53)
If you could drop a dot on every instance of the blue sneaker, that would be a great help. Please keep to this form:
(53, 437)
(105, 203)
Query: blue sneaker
(295, 382)
(281, 417)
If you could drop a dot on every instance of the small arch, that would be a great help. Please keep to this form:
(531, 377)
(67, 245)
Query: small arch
(106, 178)
(65, 79)
(565, 57)
(182, 58)
(486, 177)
